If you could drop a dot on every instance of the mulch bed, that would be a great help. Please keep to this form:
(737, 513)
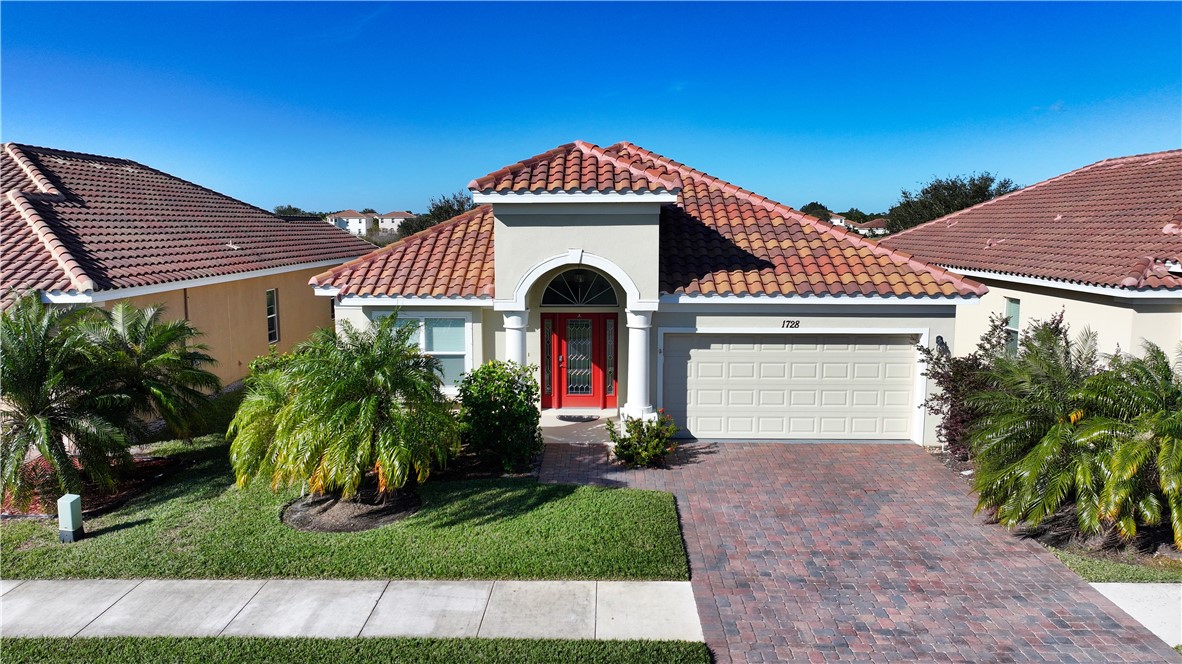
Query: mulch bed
(369, 509)
(144, 473)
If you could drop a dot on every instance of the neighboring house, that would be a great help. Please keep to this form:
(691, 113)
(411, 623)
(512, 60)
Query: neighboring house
(634, 282)
(355, 222)
(1101, 243)
(873, 228)
(84, 229)
(389, 222)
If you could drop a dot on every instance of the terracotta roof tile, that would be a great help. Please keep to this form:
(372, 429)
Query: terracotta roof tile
(74, 222)
(718, 239)
(1116, 223)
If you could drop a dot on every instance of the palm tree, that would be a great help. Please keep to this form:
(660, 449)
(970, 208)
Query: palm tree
(1138, 406)
(54, 401)
(1030, 460)
(349, 404)
(155, 363)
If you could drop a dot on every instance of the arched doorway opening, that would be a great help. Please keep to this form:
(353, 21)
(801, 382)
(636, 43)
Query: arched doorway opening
(580, 344)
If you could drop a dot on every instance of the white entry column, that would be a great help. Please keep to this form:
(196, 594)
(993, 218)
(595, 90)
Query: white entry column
(515, 322)
(638, 405)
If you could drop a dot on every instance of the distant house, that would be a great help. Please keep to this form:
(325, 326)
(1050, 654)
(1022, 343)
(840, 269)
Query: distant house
(355, 222)
(84, 229)
(389, 222)
(873, 227)
(1102, 244)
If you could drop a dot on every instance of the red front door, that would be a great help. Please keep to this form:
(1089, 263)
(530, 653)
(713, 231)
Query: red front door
(578, 360)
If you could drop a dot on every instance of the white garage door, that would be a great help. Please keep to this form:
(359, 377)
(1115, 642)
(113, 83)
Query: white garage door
(790, 386)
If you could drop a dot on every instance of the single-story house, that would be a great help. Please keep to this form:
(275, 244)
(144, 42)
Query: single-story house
(1102, 244)
(876, 226)
(85, 229)
(634, 283)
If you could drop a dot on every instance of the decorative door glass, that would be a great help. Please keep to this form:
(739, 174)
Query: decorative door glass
(578, 356)
(610, 366)
(547, 355)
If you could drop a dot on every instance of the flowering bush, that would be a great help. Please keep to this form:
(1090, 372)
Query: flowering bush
(643, 442)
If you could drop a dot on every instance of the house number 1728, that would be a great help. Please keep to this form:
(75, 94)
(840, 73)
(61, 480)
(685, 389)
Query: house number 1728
(790, 324)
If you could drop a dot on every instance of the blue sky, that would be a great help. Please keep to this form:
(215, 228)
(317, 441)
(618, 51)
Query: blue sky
(335, 105)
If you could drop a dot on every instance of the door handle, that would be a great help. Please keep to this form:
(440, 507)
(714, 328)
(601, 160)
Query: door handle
(561, 360)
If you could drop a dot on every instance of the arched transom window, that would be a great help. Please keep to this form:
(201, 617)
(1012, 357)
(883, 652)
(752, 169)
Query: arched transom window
(579, 288)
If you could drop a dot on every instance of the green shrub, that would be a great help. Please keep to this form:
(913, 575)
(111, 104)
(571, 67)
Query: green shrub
(499, 412)
(643, 442)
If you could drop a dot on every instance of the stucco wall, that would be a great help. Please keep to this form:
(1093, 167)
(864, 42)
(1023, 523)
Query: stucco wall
(233, 316)
(1122, 324)
(527, 235)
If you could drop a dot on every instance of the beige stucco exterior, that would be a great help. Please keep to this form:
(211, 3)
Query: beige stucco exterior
(233, 316)
(1118, 323)
(626, 235)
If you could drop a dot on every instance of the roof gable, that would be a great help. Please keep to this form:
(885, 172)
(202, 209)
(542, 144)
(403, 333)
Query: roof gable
(77, 223)
(1115, 223)
(717, 240)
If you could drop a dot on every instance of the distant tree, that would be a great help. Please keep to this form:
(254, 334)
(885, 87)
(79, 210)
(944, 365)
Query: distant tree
(441, 209)
(944, 196)
(369, 211)
(817, 210)
(291, 211)
(859, 217)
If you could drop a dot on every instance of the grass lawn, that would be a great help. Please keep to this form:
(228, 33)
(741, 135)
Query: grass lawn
(1104, 570)
(345, 651)
(199, 525)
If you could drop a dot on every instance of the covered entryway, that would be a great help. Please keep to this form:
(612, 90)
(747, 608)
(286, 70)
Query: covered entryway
(781, 386)
(579, 341)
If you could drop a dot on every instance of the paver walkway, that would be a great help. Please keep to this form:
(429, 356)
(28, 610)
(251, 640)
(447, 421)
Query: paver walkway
(281, 608)
(863, 552)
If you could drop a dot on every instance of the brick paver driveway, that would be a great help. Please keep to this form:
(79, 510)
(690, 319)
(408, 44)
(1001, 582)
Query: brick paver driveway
(871, 552)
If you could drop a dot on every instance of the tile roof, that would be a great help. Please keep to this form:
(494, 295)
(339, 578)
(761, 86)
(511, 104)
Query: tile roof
(718, 239)
(579, 167)
(1115, 223)
(398, 214)
(75, 223)
(879, 222)
(451, 259)
(353, 214)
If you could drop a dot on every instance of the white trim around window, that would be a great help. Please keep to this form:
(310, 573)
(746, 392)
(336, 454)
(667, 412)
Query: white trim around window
(422, 317)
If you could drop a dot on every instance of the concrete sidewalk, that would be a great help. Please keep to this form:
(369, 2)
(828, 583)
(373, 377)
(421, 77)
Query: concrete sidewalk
(1158, 606)
(658, 610)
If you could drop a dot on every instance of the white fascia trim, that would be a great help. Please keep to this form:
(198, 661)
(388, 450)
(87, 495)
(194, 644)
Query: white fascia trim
(919, 384)
(529, 197)
(388, 301)
(90, 297)
(788, 300)
(1112, 291)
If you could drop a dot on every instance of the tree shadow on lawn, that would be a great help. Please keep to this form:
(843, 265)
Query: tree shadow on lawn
(113, 528)
(484, 502)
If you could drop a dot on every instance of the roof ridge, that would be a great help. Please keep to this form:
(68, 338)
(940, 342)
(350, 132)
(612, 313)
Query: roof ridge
(1040, 183)
(70, 265)
(565, 147)
(853, 237)
(69, 153)
(595, 150)
(399, 244)
(36, 175)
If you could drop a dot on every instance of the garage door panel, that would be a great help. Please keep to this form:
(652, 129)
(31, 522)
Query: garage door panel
(790, 386)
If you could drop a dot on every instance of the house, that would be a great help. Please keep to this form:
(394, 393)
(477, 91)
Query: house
(634, 282)
(357, 223)
(873, 228)
(389, 222)
(1101, 243)
(85, 229)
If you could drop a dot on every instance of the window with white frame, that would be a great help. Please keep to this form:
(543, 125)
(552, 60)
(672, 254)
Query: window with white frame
(444, 337)
(273, 316)
(1013, 313)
